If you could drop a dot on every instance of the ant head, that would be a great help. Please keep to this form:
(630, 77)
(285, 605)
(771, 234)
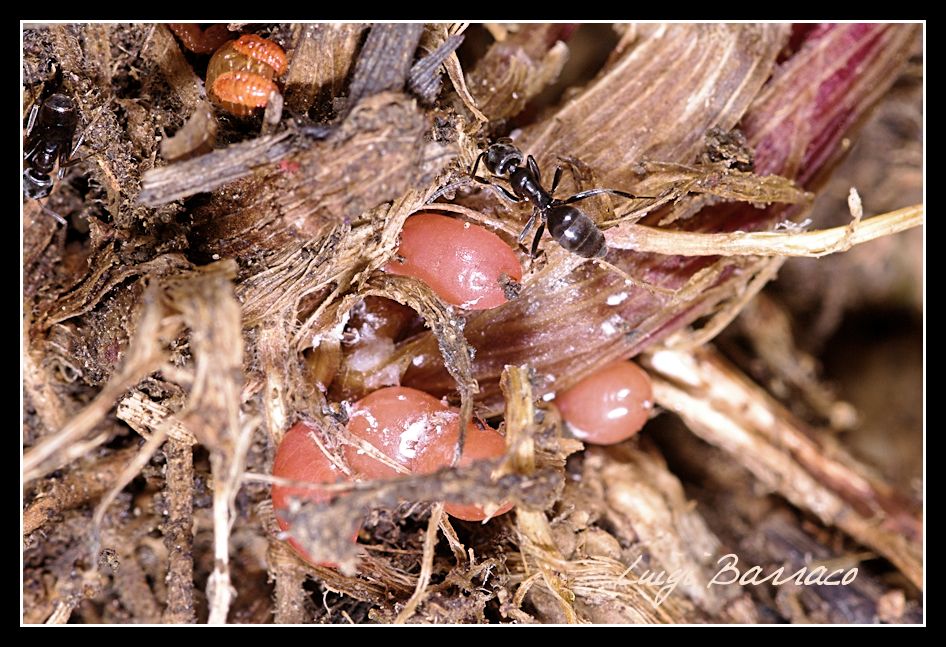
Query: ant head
(36, 185)
(502, 157)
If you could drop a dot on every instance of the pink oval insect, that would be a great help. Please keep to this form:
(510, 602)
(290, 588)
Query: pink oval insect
(608, 406)
(465, 264)
(418, 432)
(299, 458)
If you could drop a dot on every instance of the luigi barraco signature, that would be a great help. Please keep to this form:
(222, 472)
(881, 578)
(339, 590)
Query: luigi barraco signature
(729, 574)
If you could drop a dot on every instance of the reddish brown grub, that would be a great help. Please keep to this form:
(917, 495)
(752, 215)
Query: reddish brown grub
(200, 41)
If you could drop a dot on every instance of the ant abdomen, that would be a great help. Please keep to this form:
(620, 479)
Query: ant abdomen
(576, 232)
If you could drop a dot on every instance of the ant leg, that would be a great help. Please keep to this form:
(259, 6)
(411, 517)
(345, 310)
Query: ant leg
(592, 192)
(534, 168)
(528, 227)
(655, 290)
(555, 179)
(56, 216)
(50, 212)
(538, 237)
(32, 120)
(503, 191)
(499, 189)
(72, 161)
(67, 159)
(34, 111)
(28, 154)
(78, 144)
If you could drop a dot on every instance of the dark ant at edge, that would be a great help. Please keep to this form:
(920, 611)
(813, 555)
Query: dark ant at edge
(49, 134)
(571, 227)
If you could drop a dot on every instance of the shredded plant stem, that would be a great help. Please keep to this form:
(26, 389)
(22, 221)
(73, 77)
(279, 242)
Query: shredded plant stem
(725, 409)
(536, 543)
(81, 484)
(426, 567)
(688, 339)
(472, 214)
(455, 72)
(289, 575)
(145, 355)
(219, 590)
(145, 416)
(767, 243)
(131, 470)
(179, 536)
(61, 613)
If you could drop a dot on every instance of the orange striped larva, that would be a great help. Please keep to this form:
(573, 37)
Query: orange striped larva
(241, 74)
(262, 50)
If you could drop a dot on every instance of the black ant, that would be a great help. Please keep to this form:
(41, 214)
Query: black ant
(49, 133)
(569, 226)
